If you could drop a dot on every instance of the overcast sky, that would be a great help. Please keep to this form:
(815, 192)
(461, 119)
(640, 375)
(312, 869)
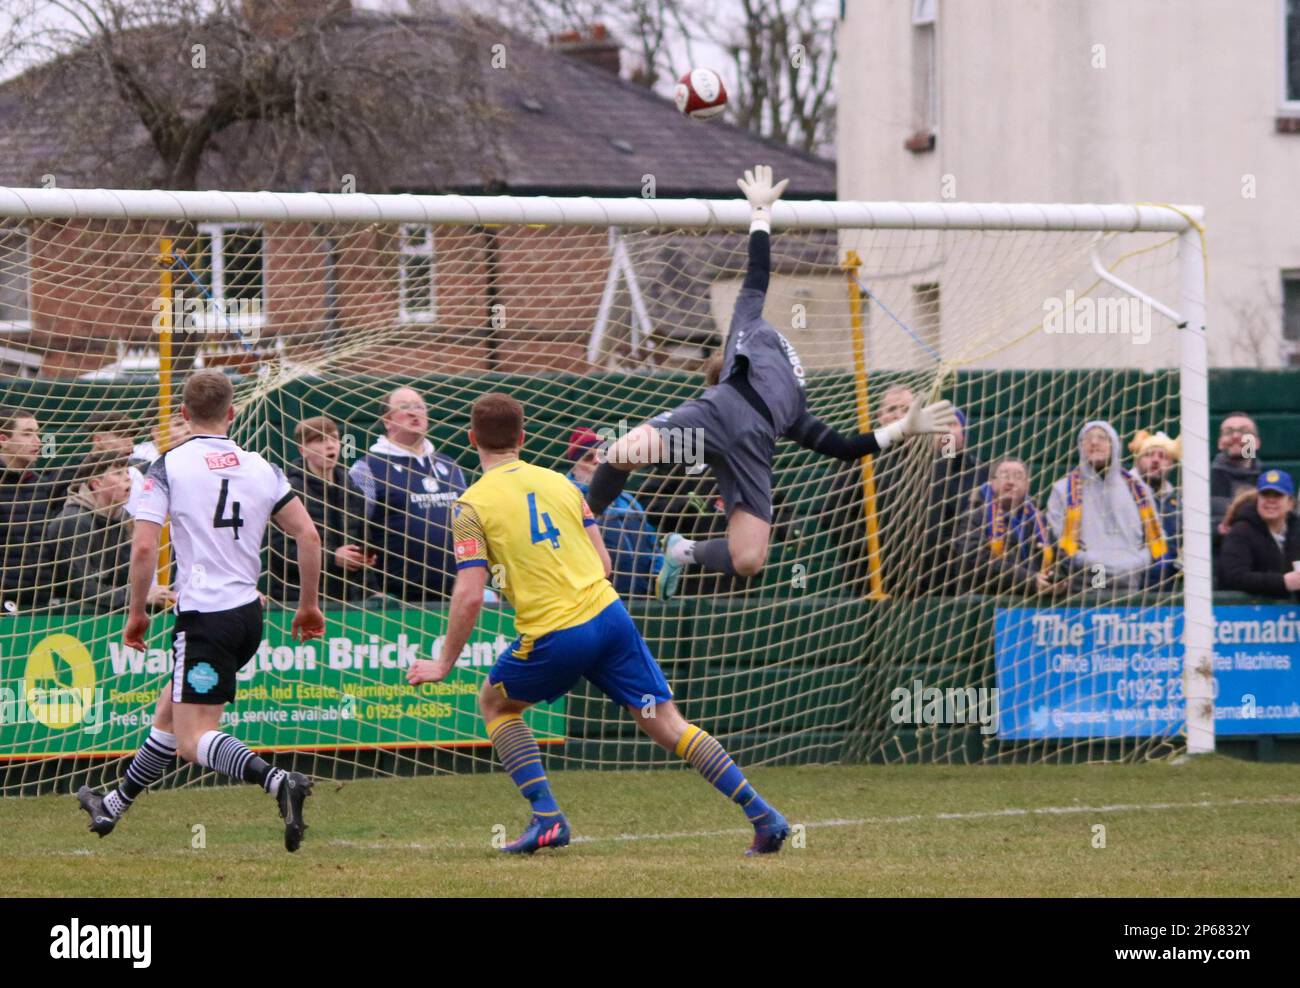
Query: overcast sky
(699, 51)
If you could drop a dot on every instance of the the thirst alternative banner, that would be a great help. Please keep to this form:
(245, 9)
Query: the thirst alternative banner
(1116, 672)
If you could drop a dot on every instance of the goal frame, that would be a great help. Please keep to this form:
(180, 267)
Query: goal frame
(632, 213)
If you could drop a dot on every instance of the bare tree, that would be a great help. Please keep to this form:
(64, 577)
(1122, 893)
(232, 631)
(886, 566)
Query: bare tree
(784, 60)
(256, 93)
(782, 52)
(1255, 334)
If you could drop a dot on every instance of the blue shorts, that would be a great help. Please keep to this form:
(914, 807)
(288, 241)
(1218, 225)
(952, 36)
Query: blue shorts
(608, 650)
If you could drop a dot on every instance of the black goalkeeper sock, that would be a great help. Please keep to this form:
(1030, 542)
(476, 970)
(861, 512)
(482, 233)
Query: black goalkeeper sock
(606, 484)
(715, 555)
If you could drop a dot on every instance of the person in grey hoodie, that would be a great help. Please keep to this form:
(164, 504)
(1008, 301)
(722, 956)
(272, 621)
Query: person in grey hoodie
(1104, 518)
(87, 545)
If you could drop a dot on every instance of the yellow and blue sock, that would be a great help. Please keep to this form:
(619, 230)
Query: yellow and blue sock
(702, 750)
(520, 756)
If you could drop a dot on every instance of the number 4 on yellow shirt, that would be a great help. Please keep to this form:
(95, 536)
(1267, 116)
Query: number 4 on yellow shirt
(550, 532)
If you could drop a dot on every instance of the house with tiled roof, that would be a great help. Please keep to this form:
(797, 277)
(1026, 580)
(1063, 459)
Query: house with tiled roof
(566, 125)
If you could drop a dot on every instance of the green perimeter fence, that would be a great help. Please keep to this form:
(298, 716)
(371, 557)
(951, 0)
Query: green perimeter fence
(724, 646)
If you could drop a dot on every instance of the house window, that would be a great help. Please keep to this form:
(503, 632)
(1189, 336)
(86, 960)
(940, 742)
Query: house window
(417, 297)
(1291, 316)
(1290, 54)
(332, 306)
(925, 89)
(925, 317)
(19, 363)
(15, 286)
(226, 278)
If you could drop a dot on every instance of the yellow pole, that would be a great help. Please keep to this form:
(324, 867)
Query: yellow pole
(166, 262)
(876, 591)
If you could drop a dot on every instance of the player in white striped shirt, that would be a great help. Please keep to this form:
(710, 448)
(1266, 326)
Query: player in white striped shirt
(219, 499)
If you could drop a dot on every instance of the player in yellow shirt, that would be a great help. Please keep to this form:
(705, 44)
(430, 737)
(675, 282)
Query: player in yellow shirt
(535, 525)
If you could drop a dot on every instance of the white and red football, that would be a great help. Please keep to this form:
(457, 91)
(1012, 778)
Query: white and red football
(700, 94)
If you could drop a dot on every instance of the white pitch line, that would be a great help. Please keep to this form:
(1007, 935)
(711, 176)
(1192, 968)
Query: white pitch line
(971, 815)
(1204, 804)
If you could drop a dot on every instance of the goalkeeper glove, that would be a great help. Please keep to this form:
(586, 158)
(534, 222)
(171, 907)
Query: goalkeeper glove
(937, 418)
(762, 195)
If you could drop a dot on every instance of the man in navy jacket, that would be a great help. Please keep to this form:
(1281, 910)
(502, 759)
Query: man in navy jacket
(409, 489)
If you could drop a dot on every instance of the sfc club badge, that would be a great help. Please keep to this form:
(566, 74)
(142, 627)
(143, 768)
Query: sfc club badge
(221, 461)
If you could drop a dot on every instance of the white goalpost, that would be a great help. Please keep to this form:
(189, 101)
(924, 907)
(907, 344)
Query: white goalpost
(905, 572)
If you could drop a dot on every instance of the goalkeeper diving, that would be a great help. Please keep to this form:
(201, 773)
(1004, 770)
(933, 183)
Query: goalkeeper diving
(759, 398)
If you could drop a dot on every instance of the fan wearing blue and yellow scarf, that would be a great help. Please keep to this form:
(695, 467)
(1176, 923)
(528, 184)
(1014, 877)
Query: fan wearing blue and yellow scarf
(1007, 547)
(1104, 518)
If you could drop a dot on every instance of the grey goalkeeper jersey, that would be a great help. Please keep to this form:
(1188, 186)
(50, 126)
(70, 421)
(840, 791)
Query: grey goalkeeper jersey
(757, 349)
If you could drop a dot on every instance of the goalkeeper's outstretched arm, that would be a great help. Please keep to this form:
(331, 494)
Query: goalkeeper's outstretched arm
(759, 269)
(812, 433)
(762, 195)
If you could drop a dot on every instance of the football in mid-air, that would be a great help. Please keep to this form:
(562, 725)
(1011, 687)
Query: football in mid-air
(700, 94)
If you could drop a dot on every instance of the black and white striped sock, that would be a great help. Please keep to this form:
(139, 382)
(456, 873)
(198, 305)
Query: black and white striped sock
(149, 765)
(228, 755)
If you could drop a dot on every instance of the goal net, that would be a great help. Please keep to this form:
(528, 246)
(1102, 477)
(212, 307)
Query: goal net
(1032, 587)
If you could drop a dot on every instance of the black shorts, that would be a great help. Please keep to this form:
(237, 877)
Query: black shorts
(210, 647)
(738, 445)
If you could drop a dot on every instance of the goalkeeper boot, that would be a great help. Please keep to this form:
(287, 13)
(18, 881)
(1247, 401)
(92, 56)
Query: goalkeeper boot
(670, 571)
(769, 835)
(540, 833)
(294, 790)
(102, 822)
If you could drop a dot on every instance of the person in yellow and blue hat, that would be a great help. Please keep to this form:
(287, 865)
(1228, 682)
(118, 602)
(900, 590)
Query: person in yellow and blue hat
(1261, 552)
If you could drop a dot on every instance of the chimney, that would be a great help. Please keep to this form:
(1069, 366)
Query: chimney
(594, 46)
(281, 18)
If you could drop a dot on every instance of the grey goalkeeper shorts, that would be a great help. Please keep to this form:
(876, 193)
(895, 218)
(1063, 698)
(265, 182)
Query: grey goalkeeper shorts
(736, 442)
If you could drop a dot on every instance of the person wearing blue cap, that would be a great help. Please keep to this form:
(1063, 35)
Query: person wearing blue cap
(1261, 552)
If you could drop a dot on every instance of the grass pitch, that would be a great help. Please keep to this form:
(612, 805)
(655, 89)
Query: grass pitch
(1213, 827)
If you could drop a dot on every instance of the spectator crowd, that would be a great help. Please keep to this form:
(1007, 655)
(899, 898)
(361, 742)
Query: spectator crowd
(966, 527)
(1104, 527)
